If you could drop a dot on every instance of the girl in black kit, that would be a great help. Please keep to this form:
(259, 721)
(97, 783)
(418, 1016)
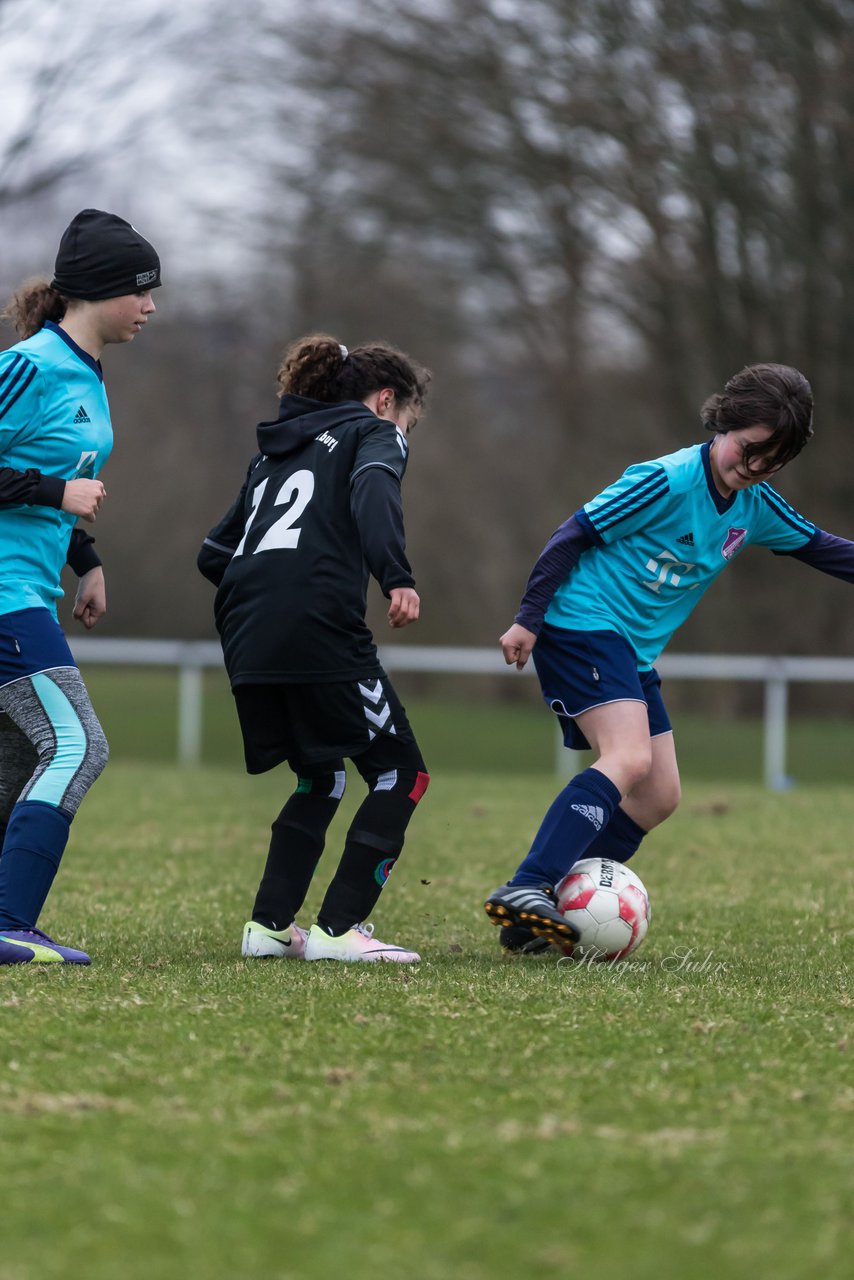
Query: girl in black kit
(318, 514)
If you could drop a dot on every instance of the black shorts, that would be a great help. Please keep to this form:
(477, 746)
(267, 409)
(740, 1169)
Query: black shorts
(308, 724)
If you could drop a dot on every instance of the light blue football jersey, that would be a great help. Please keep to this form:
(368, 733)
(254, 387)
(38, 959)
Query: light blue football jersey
(54, 416)
(663, 533)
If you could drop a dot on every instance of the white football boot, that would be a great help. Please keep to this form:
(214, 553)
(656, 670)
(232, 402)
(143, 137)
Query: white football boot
(281, 944)
(357, 944)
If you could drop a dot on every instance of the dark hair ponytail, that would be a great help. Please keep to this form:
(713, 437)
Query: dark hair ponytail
(321, 368)
(32, 304)
(769, 395)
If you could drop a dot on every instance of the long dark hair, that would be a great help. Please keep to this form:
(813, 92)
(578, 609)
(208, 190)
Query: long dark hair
(769, 395)
(321, 368)
(33, 303)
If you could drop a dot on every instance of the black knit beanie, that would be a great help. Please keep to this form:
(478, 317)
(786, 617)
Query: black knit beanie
(102, 256)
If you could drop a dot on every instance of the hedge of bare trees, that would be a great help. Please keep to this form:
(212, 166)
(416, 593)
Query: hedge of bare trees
(583, 214)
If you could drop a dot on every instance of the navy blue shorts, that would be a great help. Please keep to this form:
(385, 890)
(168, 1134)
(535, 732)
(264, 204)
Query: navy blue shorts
(31, 640)
(579, 670)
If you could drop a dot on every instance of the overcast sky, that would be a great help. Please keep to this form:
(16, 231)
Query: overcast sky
(155, 79)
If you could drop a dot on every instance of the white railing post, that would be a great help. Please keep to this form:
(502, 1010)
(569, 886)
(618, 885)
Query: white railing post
(190, 691)
(776, 711)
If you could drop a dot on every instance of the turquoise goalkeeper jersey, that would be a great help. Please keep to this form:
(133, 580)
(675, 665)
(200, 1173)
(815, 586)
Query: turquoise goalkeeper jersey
(662, 535)
(53, 416)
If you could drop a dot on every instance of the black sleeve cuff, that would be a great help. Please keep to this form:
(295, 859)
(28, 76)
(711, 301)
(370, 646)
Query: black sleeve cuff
(49, 492)
(212, 562)
(82, 556)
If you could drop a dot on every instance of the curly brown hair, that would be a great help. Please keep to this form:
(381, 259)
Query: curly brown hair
(769, 395)
(319, 367)
(33, 303)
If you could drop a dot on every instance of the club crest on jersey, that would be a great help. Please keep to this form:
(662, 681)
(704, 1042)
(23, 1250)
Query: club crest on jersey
(733, 542)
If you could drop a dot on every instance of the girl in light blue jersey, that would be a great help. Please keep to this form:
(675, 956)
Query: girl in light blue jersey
(55, 435)
(607, 593)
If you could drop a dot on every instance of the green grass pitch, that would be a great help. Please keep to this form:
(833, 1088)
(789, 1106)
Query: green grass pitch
(177, 1112)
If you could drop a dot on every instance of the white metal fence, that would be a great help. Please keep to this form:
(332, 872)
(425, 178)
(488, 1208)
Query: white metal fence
(191, 657)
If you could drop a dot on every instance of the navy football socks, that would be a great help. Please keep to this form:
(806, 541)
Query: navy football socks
(620, 840)
(576, 817)
(33, 846)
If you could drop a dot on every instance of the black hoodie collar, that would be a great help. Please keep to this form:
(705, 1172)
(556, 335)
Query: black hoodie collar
(301, 419)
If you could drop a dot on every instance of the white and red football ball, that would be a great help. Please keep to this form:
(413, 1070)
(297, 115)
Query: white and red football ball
(609, 907)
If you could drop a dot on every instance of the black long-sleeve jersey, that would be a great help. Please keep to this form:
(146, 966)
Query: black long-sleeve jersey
(318, 514)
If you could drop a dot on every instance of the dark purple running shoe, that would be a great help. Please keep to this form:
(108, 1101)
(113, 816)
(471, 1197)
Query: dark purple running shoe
(13, 954)
(31, 946)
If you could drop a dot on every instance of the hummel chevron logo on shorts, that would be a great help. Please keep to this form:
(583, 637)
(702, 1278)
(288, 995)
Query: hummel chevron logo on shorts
(592, 812)
(376, 709)
(81, 416)
(687, 540)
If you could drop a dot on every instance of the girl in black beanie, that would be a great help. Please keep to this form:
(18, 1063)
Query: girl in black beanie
(55, 435)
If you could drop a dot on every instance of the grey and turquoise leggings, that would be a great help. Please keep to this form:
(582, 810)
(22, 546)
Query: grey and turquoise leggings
(52, 746)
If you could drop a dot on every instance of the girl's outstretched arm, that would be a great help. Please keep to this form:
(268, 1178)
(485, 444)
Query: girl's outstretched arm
(828, 553)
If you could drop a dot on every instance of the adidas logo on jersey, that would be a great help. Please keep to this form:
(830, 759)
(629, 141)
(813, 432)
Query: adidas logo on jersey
(592, 812)
(687, 540)
(81, 416)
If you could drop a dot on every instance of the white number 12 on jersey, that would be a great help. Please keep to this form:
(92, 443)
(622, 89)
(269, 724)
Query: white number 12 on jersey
(296, 490)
